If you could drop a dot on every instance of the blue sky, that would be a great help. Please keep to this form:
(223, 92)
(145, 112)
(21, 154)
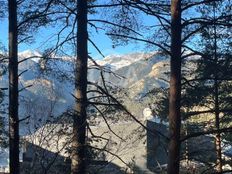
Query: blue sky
(102, 41)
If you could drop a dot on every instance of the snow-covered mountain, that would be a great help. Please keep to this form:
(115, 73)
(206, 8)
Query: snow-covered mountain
(49, 83)
(48, 87)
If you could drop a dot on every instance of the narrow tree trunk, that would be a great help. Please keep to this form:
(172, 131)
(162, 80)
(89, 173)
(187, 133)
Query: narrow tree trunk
(218, 153)
(175, 90)
(13, 89)
(79, 123)
(217, 121)
(216, 94)
(218, 135)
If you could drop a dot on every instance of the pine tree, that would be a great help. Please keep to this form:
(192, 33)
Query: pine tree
(175, 89)
(13, 89)
(78, 155)
(211, 88)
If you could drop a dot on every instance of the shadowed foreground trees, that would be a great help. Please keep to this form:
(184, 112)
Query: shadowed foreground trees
(16, 35)
(13, 89)
(175, 89)
(80, 38)
(211, 87)
(78, 155)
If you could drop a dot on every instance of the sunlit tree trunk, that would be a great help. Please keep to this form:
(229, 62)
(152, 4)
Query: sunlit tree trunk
(79, 120)
(175, 89)
(217, 125)
(13, 89)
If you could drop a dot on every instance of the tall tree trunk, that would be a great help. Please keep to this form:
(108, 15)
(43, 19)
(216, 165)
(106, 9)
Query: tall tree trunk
(175, 89)
(13, 89)
(216, 94)
(218, 135)
(79, 123)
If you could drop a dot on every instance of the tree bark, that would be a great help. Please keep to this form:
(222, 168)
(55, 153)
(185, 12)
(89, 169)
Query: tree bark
(175, 89)
(13, 89)
(217, 108)
(78, 165)
(218, 135)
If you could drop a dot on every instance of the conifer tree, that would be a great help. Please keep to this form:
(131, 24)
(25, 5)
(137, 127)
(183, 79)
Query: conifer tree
(78, 156)
(211, 88)
(13, 89)
(175, 89)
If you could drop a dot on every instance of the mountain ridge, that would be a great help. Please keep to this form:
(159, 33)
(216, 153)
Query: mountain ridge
(50, 83)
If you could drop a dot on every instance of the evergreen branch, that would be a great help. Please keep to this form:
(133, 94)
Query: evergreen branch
(28, 86)
(216, 131)
(103, 116)
(114, 24)
(141, 40)
(198, 3)
(127, 112)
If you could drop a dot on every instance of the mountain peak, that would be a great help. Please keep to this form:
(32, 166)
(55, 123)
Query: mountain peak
(29, 53)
